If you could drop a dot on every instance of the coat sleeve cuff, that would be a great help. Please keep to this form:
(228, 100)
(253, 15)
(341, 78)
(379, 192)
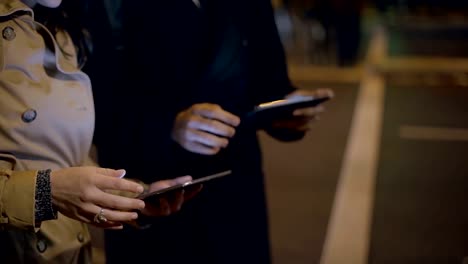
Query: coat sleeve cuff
(17, 198)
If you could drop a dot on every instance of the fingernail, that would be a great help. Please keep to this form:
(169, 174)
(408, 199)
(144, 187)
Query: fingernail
(142, 205)
(134, 216)
(123, 172)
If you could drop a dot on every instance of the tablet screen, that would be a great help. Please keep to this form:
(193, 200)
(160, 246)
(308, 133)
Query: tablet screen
(185, 185)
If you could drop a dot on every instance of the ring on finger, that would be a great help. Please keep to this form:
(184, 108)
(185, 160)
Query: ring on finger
(99, 218)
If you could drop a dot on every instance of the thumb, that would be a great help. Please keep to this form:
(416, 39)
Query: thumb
(155, 186)
(159, 185)
(324, 93)
(183, 179)
(112, 173)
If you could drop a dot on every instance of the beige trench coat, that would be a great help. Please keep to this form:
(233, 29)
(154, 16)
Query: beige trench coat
(46, 122)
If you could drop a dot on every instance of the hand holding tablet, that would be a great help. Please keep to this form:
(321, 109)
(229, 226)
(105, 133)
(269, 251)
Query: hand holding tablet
(301, 105)
(182, 186)
(163, 201)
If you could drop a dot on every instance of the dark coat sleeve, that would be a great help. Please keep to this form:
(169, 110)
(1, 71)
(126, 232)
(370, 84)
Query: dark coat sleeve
(268, 69)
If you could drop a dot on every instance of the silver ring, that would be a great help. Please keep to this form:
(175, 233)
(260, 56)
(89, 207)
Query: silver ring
(99, 218)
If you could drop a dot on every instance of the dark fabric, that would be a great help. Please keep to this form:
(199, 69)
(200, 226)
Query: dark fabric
(105, 68)
(176, 55)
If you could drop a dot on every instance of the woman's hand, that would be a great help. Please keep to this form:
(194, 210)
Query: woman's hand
(80, 193)
(172, 201)
(204, 128)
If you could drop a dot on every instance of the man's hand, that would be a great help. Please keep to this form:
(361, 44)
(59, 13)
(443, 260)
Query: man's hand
(302, 118)
(170, 202)
(204, 128)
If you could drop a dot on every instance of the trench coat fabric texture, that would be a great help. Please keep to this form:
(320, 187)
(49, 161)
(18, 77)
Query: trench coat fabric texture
(46, 122)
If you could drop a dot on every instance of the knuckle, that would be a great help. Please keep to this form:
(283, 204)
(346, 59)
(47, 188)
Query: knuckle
(113, 203)
(188, 135)
(194, 122)
(86, 195)
(122, 216)
(213, 108)
(128, 203)
(197, 106)
(215, 123)
(126, 184)
(193, 118)
(121, 184)
(85, 179)
(113, 184)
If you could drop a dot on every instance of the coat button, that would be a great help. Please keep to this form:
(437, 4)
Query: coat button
(80, 237)
(41, 246)
(9, 33)
(29, 115)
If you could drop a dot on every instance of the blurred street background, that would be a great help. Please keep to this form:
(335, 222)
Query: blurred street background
(382, 177)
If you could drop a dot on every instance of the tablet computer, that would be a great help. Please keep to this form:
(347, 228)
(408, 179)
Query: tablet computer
(188, 184)
(282, 109)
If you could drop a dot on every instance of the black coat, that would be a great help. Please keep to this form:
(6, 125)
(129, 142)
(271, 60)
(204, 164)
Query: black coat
(176, 55)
